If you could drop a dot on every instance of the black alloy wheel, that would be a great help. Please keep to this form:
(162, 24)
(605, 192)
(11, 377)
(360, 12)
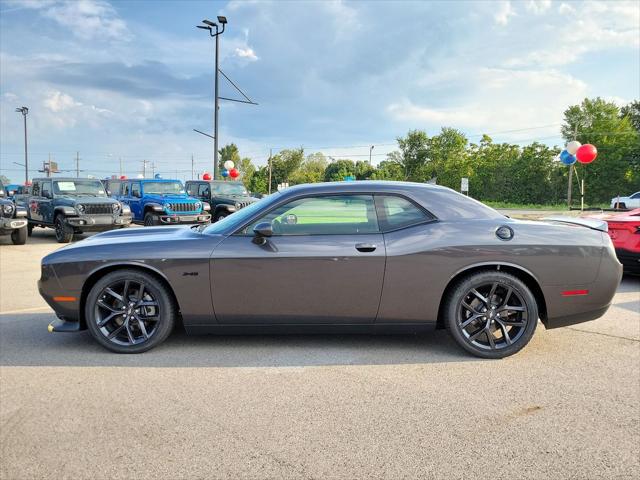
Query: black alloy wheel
(129, 311)
(64, 234)
(491, 314)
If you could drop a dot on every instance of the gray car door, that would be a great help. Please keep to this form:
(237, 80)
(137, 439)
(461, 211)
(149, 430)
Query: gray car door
(324, 264)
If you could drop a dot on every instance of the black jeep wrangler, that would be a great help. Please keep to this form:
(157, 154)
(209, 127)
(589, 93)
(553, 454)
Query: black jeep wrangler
(224, 197)
(13, 219)
(73, 206)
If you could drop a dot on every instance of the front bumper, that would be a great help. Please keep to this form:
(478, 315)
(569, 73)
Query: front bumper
(185, 219)
(10, 224)
(98, 222)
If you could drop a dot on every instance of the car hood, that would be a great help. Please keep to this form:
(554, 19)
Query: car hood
(631, 216)
(168, 198)
(87, 200)
(235, 198)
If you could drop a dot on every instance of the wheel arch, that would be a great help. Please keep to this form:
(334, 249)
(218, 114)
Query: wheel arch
(103, 270)
(529, 279)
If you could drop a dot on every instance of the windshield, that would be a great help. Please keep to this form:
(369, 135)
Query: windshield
(232, 222)
(79, 187)
(229, 188)
(164, 188)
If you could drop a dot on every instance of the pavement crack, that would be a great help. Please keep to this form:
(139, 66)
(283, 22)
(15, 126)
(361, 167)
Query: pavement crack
(605, 334)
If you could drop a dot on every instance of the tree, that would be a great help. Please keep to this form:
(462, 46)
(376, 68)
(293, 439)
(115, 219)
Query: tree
(364, 170)
(5, 180)
(448, 159)
(388, 170)
(413, 155)
(228, 152)
(311, 170)
(601, 123)
(259, 182)
(246, 169)
(284, 164)
(338, 170)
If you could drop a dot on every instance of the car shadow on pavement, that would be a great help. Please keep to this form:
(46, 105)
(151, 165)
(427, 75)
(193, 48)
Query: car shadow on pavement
(24, 341)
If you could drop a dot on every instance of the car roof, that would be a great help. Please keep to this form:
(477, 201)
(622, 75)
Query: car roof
(64, 179)
(362, 186)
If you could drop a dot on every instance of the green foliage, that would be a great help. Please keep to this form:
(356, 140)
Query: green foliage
(259, 182)
(228, 152)
(601, 123)
(283, 166)
(336, 171)
(246, 169)
(311, 170)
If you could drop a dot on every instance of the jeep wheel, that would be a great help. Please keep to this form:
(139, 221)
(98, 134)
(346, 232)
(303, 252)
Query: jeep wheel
(19, 236)
(64, 234)
(151, 220)
(220, 216)
(29, 229)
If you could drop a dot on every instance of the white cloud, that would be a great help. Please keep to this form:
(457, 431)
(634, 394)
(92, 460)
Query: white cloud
(565, 8)
(538, 6)
(86, 19)
(246, 53)
(499, 100)
(504, 13)
(58, 102)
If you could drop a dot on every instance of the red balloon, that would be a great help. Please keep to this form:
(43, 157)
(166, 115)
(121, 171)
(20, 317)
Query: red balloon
(233, 173)
(586, 153)
(123, 177)
(206, 176)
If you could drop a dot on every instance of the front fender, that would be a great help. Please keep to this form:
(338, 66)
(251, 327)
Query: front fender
(65, 210)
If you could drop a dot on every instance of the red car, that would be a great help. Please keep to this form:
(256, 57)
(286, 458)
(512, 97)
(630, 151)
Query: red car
(624, 230)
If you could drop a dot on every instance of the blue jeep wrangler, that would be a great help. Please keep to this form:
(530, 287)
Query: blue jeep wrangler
(159, 202)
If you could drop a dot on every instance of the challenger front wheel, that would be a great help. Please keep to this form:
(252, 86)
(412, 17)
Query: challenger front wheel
(129, 311)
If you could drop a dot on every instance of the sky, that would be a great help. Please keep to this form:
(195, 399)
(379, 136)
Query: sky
(129, 80)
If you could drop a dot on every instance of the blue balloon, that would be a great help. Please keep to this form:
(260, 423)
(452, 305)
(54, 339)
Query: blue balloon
(157, 176)
(567, 158)
(224, 173)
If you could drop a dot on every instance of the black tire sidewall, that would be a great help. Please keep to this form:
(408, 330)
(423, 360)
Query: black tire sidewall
(220, 216)
(452, 310)
(29, 229)
(150, 220)
(158, 290)
(19, 236)
(66, 235)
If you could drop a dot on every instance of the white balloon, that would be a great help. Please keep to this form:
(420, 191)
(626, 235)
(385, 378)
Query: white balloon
(229, 164)
(572, 147)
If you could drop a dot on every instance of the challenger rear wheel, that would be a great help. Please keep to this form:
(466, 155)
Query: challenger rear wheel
(491, 314)
(129, 311)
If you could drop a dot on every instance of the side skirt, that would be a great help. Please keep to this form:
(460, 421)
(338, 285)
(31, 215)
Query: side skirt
(302, 329)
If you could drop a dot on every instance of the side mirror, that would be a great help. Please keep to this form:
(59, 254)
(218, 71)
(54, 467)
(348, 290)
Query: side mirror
(46, 194)
(262, 231)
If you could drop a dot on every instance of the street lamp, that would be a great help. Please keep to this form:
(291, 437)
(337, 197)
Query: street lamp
(370, 151)
(209, 25)
(24, 111)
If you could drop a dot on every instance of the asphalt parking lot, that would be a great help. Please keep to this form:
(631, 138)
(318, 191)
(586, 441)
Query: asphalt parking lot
(312, 407)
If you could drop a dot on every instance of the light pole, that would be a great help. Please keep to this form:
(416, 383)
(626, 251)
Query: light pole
(24, 111)
(209, 25)
(370, 150)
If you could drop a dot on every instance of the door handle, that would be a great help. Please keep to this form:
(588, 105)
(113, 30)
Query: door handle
(365, 247)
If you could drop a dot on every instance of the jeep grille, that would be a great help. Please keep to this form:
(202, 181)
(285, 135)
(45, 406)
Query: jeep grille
(182, 207)
(98, 209)
(243, 204)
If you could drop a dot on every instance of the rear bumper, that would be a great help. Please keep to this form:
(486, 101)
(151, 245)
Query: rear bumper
(564, 308)
(630, 260)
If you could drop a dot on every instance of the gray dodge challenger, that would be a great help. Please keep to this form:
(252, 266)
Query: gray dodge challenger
(348, 257)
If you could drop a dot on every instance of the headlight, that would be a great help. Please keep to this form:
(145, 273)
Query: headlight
(206, 206)
(7, 209)
(197, 206)
(126, 208)
(115, 207)
(238, 205)
(166, 206)
(80, 208)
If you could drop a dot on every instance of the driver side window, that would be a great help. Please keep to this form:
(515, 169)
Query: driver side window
(135, 190)
(323, 215)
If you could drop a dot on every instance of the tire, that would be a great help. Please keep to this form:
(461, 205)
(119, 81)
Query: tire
(151, 220)
(64, 234)
(29, 229)
(220, 216)
(121, 320)
(19, 236)
(494, 331)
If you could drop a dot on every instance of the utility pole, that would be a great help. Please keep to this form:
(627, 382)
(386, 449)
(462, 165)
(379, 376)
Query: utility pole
(144, 168)
(270, 171)
(120, 160)
(370, 151)
(192, 167)
(24, 111)
(571, 167)
(153, 169)
(77, 164)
